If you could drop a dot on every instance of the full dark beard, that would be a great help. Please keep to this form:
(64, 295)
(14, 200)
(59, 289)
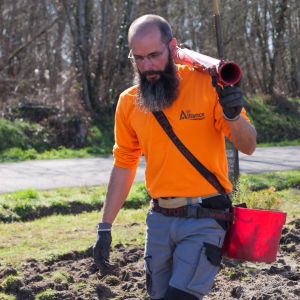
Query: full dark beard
(157, 95)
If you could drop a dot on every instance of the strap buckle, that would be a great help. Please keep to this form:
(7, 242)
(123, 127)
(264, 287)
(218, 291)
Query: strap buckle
(192, 211)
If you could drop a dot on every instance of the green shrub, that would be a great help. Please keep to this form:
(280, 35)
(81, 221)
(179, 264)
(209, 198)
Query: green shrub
(275, 118)
(99, 143)
(21, 140)
(23, 135)
(11, 134)
(264, 200)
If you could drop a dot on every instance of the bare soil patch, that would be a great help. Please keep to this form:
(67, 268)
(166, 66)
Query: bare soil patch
(126, 278)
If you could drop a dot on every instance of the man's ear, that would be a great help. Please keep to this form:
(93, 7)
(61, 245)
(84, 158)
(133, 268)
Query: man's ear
(173, 46)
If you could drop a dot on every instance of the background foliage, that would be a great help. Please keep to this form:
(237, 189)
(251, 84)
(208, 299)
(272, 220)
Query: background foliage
(63, 64)
(60, 50)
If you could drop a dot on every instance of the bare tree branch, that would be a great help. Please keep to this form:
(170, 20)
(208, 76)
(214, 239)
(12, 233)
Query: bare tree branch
(21, 48)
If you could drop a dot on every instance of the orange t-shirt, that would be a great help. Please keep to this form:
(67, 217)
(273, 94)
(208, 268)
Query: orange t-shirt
(197, 119)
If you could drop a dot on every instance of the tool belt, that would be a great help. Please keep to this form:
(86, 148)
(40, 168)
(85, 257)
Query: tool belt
(190, 211)
(175, 202)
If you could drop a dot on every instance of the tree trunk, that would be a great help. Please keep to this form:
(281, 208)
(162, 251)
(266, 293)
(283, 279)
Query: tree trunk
(57, 65)
(294, 70)
(48, 54)
(99, 69)
(278, 33)
(81, 59)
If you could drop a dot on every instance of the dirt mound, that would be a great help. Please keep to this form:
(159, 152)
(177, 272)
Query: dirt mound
(75, 276)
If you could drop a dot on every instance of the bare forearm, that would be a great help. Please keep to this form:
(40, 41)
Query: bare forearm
(118, 188)
(243, 135)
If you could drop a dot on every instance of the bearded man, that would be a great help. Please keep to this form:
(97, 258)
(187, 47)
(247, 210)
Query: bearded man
(182, 251)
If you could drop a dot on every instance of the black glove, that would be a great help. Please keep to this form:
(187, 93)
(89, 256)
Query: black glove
(231, 99)
(101, 249)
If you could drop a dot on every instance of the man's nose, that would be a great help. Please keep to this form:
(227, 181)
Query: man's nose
(147, 64)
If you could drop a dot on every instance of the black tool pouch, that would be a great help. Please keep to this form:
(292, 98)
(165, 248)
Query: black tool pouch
(213, 254)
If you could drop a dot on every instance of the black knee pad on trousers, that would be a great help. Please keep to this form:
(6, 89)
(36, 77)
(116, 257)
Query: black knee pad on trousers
(176, 294)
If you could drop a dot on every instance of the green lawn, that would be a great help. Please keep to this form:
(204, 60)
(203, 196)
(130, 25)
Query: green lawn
(48, 237)
(280, 144)
(30, 203)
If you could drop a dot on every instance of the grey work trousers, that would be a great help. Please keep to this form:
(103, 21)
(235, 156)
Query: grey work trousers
(175, 254)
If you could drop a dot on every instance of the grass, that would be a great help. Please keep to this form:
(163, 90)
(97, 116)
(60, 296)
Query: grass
(11, 284)
(7, 297)
(62, 277)
(279, 179)
(280, 144)
(46, 238)
(290, 202)
(26, 204)
(29, 204)
(17, 154)
(47, 295)
(231, 274)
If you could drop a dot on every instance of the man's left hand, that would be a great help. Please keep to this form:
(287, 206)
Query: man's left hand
(231, 99)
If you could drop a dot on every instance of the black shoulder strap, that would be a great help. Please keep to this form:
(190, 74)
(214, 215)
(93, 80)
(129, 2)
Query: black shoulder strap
(209, 176)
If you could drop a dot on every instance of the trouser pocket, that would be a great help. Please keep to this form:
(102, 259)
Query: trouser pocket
(208, 267)
(213, 254)
(148, 271)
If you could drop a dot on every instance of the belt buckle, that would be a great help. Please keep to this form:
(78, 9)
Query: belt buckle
(192, 211)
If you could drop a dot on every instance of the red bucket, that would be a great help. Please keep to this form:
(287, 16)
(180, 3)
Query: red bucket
(254, 235)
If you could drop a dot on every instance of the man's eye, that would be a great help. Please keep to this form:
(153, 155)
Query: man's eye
(153, 55)
(138, 57)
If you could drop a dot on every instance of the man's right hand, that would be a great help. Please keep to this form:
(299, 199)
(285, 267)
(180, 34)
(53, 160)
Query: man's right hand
(101, 249)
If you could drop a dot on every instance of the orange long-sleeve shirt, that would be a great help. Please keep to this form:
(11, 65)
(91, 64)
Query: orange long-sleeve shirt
(197, 119)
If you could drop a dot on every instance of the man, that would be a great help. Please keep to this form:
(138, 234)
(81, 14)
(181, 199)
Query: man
(182, 255)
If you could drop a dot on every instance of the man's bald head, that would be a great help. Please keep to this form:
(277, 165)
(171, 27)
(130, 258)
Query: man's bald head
(145, 24)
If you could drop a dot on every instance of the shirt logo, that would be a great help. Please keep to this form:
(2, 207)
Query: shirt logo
(189, 116)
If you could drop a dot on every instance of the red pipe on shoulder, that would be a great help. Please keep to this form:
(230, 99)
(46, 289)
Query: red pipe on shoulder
(228, 73)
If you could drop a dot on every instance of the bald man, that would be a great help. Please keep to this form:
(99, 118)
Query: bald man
(182, 250)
